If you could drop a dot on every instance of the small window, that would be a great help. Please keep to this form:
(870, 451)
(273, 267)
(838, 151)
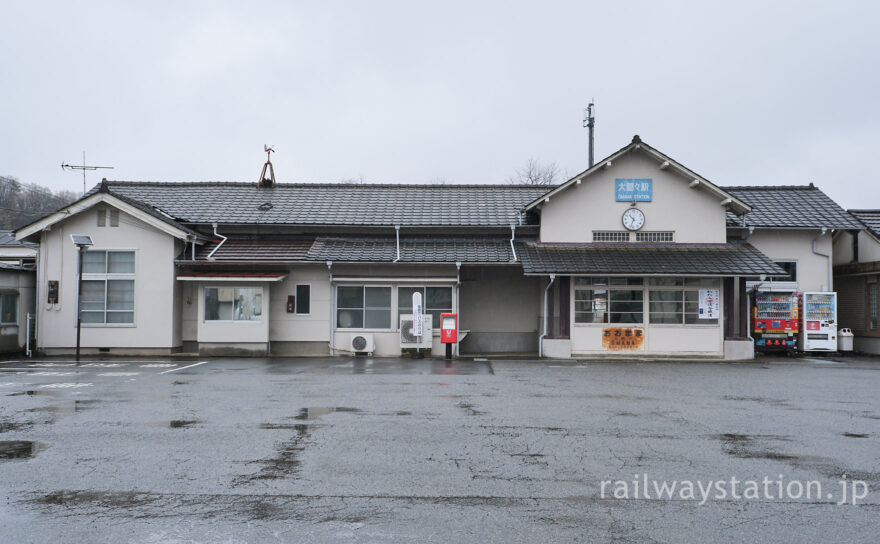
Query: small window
(9, 308)
(790, 268)
(303, 299)
(435, 301)
(656, 236)
(114, 218)
(610, 236)
(872, 306)
(102, 217)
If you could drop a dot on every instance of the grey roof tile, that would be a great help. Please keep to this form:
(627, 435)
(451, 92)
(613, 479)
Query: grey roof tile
(334, 204)
(869, 218)
(787, 206)
(732, 258)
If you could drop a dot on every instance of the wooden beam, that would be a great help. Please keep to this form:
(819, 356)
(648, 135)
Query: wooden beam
(694, 183)
(726, 201)
(664, 165)
(607, 165)
(578, 182)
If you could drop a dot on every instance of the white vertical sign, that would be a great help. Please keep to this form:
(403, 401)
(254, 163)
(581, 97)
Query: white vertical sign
(709, 303)
(417, 314)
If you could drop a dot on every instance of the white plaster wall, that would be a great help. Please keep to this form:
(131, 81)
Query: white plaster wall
(237, 332)
(797, 245)
(154, 284)
(869, 248)
(189, 311)
(694, 214)
(315, 327)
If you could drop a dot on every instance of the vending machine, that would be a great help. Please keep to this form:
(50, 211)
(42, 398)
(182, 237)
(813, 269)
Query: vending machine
(818, 322)
(775, 322)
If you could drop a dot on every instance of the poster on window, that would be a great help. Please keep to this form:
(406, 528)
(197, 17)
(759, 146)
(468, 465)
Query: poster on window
(709, 303)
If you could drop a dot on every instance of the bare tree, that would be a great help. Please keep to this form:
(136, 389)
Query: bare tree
(536, 173)
(21, 203)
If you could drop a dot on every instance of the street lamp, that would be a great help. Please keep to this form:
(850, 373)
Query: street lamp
(82, 243)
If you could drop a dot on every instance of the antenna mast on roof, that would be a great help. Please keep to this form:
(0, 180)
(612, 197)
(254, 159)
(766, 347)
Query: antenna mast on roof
(589, 123)
(267, 176)
(83, 167)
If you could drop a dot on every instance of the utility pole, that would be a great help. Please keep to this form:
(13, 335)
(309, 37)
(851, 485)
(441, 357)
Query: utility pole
(83, 167)
(589, 123)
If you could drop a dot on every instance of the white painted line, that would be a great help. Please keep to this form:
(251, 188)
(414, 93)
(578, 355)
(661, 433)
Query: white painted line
(53, 373)
(184, 367)
(118, 373)
(105, 365)
(158, 365)
(60, 385)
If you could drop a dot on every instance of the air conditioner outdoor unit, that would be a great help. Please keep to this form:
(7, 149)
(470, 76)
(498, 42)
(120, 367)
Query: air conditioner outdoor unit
(408, 340)
(362, 343)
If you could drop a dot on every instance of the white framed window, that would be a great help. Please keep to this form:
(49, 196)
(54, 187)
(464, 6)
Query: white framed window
(9, 308)
(363, 307)
(233, 304)
(609, 300)
(435, 300)
(655, 236)
(114, 218)
(676, 301)
(108, 283)
(610, 236)
(303, 301)
(102, 217)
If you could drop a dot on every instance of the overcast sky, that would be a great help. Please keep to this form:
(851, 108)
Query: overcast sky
(414, 92)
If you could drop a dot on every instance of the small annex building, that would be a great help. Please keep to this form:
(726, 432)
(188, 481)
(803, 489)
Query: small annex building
(636, 255)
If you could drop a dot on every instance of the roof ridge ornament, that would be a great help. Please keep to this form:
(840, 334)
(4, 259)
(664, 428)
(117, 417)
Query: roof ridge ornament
(267, 176)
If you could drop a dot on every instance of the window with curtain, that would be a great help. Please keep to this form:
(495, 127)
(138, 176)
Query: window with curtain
(233, 304)
(363, 307)
(436, 300)
(108, 287)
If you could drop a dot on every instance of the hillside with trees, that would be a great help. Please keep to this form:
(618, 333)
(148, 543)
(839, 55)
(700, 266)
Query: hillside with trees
(21, 203)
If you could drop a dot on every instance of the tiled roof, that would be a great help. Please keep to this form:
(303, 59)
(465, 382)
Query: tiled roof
(787, 206)
(732, 258)
(334, 204)
(255, 248)
(869, 218)
(7, 238)
(413, 249)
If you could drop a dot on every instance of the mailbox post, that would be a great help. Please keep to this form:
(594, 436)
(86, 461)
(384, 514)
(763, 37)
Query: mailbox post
(448, 331)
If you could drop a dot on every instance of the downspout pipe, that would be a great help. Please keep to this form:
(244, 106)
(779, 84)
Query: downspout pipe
(458, 305)
(222, 241)
(546, 305)
(332, 307)
(512, 238)
(397, 237)
(830, 286)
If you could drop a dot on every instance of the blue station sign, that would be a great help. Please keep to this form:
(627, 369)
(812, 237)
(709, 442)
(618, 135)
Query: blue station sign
(633, 189)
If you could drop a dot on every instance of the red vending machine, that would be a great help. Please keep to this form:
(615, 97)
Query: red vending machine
(775, 321)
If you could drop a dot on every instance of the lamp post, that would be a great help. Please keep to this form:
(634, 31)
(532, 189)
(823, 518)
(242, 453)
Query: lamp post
(82, 243)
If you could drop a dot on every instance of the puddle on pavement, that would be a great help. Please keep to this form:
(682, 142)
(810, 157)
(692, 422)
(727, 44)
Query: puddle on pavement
(316, 412)
(31, 392)
(179, 383)
(181, 423)
(286, 461)
(17, 449)
(10, 426)
(856, 435)
(747, 447)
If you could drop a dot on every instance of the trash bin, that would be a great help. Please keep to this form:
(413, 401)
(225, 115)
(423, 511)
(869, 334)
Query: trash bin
(844, 340)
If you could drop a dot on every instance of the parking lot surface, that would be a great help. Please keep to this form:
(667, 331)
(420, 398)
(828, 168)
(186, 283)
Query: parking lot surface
(397, 450)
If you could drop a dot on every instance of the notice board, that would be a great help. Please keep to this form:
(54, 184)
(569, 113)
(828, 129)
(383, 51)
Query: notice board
(623, 338)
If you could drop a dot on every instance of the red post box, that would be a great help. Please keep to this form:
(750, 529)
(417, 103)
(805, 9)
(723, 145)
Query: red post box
(448, 331)
(448, 328)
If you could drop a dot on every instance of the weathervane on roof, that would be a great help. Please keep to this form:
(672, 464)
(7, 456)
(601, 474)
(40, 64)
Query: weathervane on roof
(267, 176)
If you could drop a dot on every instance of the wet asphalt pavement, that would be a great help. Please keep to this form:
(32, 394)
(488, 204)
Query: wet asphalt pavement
(387, 450)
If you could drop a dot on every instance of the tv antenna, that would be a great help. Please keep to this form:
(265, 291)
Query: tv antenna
(589, 123)
(84, 167)
(267, 176)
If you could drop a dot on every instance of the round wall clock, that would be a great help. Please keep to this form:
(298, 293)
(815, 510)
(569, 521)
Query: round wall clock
(633, 219)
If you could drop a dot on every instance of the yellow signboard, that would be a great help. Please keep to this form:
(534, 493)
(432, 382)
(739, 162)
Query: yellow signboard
(623, 338)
